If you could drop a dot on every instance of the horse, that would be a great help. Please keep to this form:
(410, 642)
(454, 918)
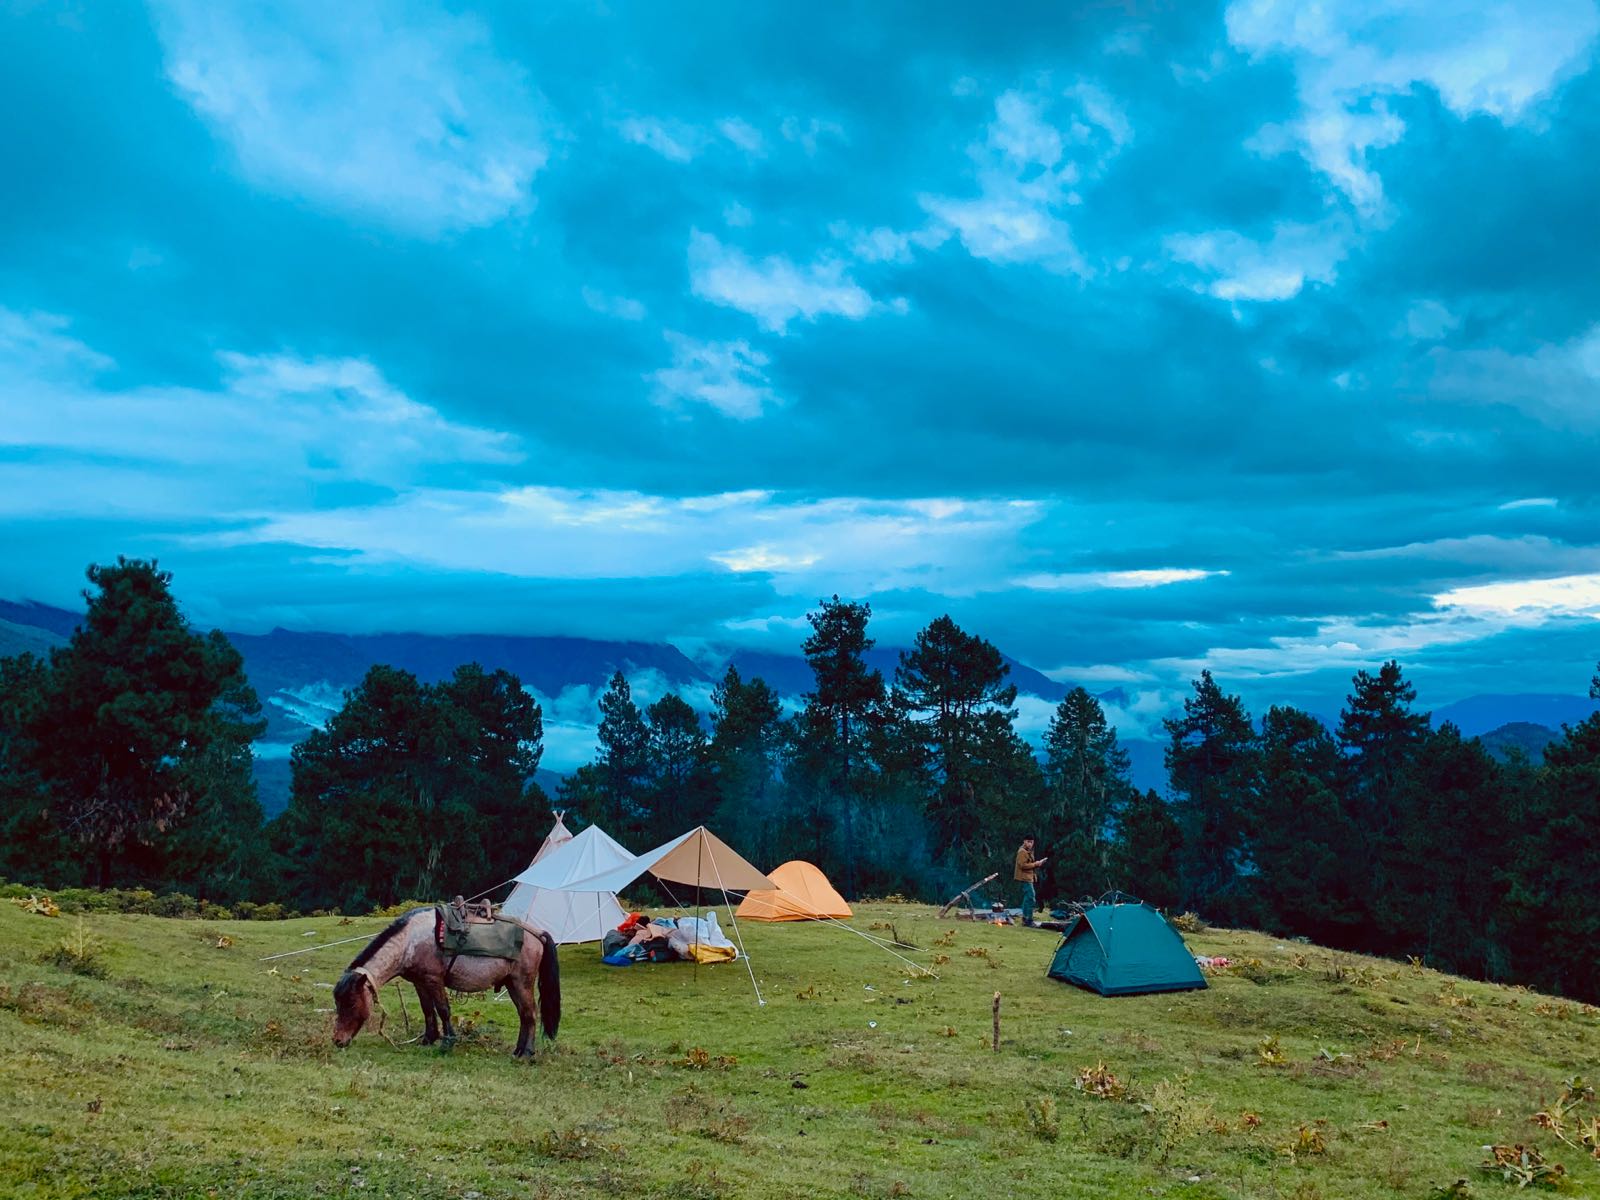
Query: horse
(408, 949)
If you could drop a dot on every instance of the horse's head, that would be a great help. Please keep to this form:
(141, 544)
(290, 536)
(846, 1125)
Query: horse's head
(352, 999)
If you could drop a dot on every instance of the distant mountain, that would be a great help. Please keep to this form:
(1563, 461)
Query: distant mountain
(26, 639)
(1147, 763)
(1530, 739)
(1478, 715)
(790, 674)
(58, 621)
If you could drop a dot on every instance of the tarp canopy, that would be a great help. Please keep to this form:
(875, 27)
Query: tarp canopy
(698, 858)
(545, 895)
(803, 894)
(1120, 946)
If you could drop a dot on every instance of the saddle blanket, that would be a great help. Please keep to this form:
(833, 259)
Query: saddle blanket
(476, 939)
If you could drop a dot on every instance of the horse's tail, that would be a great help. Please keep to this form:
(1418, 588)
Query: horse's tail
(549, 987)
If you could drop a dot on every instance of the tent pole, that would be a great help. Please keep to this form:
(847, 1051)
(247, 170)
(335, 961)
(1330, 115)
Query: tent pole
(738, 937)
(699, 870)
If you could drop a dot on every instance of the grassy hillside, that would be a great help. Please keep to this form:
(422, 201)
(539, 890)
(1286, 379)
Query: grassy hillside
(188, 1067)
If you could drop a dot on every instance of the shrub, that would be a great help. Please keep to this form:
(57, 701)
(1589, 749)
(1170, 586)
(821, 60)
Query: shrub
(176, 904)
(78, 952)
(1174, 1116)
(1044, 1122)
(1188, 922)
(1099, 1081)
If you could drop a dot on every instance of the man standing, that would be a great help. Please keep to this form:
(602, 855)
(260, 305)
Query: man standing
(1025, 874)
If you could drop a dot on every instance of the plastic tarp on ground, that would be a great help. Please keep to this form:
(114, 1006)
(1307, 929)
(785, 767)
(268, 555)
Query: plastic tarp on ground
(1123, 947)
(698, 858)
(803, 894)
(549, 895)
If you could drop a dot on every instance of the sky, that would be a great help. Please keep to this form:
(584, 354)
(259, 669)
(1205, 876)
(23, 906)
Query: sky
(1140, 338)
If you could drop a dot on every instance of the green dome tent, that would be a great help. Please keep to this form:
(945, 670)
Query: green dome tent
(1120, 946)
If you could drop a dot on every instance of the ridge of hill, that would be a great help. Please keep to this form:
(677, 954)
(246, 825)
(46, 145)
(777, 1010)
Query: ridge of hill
(174, 1062)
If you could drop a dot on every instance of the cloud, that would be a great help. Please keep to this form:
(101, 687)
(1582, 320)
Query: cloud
(742, 134)
(1090, 580)
(811, 132)
(1522, 599)
(682, 142)
(774, 290)
(857, 544)
(613, 306)
(1028, 170)
(1428, 321)
(1556, 384)
(416, 123)
(1232, 267)
(1351, 56)
(672, 140)
(729, 376)
(37, 346)
(274, 423)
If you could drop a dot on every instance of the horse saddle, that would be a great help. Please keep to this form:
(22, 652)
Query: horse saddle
(463, 930)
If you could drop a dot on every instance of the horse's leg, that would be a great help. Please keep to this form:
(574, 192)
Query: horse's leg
(441, 1003)
(430, 1016)
(520, 988)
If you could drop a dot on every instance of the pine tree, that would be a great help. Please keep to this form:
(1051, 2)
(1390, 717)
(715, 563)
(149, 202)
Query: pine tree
(1086, 785)
(747, 740)
(138, 720)
(957, 710)
(1554, 862)
(1443, 864)
(624, 762)
(1211, 760)
(1306, 854)
(834, 731)
(32, 848)
(680, 794)
(411, 791)
(1145, 850)
(1379, 733)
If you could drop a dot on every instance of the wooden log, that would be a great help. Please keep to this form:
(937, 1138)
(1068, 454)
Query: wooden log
(960, 896)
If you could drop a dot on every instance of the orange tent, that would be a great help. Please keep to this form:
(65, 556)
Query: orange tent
(803, 894)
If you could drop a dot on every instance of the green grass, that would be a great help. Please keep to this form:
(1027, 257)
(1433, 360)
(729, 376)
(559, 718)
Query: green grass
(177, 1066)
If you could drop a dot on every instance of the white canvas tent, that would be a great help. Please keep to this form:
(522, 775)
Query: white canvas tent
(558, 836)
(548, 893)
(698, 858)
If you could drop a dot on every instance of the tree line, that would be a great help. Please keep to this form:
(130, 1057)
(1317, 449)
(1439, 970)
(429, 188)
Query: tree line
(124, 760)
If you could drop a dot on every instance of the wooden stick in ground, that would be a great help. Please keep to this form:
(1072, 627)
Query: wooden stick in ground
(997, 1022)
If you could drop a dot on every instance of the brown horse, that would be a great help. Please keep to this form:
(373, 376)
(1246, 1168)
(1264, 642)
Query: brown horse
(407, 949)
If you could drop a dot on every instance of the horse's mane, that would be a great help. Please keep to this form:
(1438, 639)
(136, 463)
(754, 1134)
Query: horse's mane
(377, 943)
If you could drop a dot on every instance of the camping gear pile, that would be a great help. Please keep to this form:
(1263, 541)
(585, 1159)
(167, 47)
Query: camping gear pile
(1120, 946)
(642, 939)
